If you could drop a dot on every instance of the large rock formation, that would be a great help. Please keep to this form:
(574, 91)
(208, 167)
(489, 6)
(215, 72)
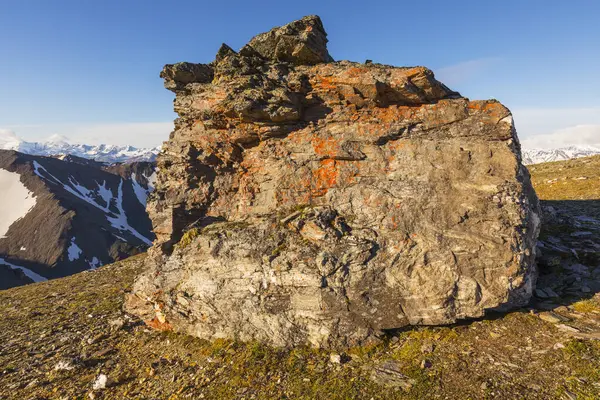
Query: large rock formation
(301, 200)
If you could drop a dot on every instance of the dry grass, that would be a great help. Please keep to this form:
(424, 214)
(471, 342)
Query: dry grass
(567, 180)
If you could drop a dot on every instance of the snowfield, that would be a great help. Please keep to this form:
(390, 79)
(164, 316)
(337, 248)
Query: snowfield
(28, 273)
(15, 202)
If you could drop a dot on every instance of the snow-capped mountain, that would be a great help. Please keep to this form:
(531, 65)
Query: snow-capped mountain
(536, 156)
(60, 216)
(56, 145)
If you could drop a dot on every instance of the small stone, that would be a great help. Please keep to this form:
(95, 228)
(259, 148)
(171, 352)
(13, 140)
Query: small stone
(484, 386)
(558, 346)
(585, 289)
(567, 328)
(426, 364)
(569, 396)
(550, 292)
(64, 365)
(579, 269)
(116, 324)
(96, 338)
(100, 382)
(388, 373)
(427, 348)
(32, 384)
(552, 317)
(335, 358)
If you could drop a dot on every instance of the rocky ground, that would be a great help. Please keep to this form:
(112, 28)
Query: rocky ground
(69, 339)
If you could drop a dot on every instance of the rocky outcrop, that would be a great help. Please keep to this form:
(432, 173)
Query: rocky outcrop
(80, 214)
(301, 200)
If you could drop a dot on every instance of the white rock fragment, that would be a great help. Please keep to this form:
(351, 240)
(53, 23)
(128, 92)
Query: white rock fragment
(100, 382)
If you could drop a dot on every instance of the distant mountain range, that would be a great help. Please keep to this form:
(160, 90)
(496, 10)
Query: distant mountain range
(62, 215)
(60, 147)
(57, 145)
(536, 156)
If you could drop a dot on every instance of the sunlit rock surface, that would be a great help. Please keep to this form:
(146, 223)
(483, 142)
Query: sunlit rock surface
(306, 201)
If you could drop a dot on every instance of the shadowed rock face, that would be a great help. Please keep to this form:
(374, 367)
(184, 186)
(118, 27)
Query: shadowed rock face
(301, 200)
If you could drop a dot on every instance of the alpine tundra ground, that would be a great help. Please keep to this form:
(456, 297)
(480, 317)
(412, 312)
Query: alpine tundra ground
(69, 338)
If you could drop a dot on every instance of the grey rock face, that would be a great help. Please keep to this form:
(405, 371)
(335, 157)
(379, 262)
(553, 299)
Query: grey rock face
(299, 42)
(327, 203)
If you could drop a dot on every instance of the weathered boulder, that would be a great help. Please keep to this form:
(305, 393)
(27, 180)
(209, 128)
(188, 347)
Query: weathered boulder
(301, 200)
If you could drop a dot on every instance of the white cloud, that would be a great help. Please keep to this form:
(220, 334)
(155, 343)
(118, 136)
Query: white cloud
(579, 135)
(537, 121)
(138, 134)
(148, 134)
(558, 127)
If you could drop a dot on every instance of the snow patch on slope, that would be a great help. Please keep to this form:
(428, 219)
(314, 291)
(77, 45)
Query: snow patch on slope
(95, 263)
(151, 179)
(15, 200)
(74, 251)
(117, 219)
(140, 192)
(28, 273)
(105, 193)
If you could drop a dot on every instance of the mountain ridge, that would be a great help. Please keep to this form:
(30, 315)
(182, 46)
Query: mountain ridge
(59, 145)
(537, 156)
(61, 216)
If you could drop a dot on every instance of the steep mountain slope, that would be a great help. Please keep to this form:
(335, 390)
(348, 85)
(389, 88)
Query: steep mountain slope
(58, 217)
(60, 339)
(536, 156)
(59, 145)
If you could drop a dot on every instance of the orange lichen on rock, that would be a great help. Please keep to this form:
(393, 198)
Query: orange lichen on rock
(328, 147)
(159, 326)
(325, 177)
(492, 108)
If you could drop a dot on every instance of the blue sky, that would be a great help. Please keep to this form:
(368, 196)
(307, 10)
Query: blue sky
(89, 69)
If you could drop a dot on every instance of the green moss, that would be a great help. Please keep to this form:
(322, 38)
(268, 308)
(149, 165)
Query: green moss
(188, 237)
(278, 250)
(224, 227)
(583, 359)
(586, 306)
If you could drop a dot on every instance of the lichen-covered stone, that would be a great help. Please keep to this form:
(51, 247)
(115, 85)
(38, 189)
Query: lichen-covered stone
(332, 201)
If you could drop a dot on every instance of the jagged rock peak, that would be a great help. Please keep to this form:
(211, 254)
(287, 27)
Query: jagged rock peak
(302, 42)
